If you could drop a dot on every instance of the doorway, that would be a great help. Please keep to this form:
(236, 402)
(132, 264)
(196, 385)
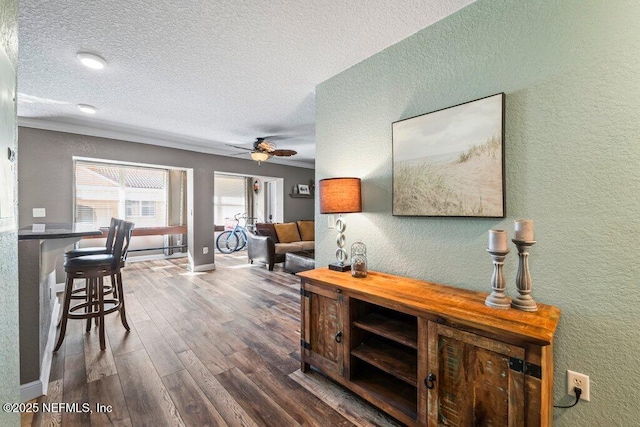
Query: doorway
(273, 211)
(260, 197)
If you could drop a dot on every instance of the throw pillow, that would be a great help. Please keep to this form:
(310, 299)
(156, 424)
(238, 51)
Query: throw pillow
(307, 230)
(287, 232)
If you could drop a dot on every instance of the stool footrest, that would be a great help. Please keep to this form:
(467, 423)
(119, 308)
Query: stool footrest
(110, 305)
(81, 293)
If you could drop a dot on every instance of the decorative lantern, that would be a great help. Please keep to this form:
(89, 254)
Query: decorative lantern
(359, 260)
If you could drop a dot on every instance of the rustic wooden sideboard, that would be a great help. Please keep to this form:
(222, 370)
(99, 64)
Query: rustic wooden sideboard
(429, 354)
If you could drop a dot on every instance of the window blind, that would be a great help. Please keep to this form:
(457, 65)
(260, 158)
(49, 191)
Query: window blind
(105, 190)
(230, 197)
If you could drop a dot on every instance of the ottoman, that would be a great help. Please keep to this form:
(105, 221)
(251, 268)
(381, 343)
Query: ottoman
(295, 262)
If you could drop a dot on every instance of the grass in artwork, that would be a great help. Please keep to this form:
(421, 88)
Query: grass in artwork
(490, 147)
(470, 185)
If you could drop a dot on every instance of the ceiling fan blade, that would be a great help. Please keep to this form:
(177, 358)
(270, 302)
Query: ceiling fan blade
(284, 153)
(239, 148)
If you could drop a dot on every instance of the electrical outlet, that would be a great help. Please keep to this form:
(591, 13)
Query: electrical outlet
(205, 250)
(575, 379)
(331, 222)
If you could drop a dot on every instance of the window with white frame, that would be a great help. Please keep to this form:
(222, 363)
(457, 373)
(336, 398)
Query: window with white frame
(147, 208)
(230, 197)
(135, 193)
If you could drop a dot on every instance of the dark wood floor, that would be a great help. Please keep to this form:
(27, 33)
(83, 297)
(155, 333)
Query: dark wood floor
(217, 348)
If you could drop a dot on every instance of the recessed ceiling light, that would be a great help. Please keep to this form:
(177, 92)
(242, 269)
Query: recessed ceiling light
(92, 61)
(87, 109)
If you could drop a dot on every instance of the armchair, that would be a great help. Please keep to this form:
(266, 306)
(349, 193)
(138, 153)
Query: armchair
(262, 249)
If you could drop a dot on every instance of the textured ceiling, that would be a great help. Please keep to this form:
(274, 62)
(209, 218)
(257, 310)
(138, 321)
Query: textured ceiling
(200, 74)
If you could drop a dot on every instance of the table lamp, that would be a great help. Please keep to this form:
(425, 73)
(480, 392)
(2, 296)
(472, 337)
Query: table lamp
(340, 196)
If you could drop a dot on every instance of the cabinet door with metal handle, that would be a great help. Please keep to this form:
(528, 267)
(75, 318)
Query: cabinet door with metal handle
(430, 381)
(324, 328)
(465, 363)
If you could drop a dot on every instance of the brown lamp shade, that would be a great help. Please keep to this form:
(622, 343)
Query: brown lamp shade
(340, 195)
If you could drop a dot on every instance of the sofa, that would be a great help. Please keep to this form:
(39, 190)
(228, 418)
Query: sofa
(271, 242)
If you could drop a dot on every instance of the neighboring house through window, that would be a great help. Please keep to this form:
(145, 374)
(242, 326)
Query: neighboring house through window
(135, 193)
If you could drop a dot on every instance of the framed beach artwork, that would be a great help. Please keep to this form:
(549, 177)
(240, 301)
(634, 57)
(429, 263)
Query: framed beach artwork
(450, 162)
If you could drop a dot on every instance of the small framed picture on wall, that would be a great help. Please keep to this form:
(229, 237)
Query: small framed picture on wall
(303, 189)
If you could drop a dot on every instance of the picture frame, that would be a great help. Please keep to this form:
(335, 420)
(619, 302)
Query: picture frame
(450, 162)
(304, 189)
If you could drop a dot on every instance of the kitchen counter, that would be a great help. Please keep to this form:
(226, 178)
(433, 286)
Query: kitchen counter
(58, 230)
(40, 246)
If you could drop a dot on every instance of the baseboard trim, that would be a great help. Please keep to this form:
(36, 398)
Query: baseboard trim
(202, 267)
(47, 359)
(40, 387)
(31, 390)
(155, 257)
(58, 288)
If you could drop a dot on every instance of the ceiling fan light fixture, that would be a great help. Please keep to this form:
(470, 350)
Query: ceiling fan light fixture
(92, 60)
(87, 109)
(259, 156)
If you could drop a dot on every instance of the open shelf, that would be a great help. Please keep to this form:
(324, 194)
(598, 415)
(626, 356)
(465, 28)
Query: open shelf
(384, 318)
(388, 389)
(403, 330)
(301, 196)
(394, 359)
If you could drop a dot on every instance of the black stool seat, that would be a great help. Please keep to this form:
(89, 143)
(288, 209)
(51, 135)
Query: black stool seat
(104, 260)
(100, 261)
(95, 250)
(80, 293)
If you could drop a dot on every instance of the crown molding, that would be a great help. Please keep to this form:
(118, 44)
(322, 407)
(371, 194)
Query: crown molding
(143, 137)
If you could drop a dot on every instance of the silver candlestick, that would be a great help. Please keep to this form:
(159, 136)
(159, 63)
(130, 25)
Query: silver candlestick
(524, 301)
(497, 298)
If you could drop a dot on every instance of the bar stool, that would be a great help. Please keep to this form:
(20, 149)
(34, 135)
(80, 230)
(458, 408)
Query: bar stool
(80, 293)
(96, 250)
(94, 268)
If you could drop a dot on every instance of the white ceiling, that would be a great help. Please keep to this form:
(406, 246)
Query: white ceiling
(201, 74)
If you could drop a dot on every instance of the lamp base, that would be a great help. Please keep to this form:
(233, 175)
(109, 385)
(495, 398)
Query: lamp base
(340, 267)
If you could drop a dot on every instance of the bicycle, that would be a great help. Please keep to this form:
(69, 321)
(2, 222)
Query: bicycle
(235, 240)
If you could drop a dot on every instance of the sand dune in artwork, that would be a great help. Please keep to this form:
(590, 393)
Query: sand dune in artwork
(478, 181)
(468, 186)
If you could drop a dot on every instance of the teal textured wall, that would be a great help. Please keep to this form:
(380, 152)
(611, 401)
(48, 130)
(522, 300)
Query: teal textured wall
(9, 356)
(571, 73)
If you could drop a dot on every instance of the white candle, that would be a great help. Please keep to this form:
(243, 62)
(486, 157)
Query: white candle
(498, 241)
(524, 230)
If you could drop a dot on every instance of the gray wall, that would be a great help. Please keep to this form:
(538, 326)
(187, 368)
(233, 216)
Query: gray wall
(34, 317)
(9, 354)
(46, 177)
(570, 73)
